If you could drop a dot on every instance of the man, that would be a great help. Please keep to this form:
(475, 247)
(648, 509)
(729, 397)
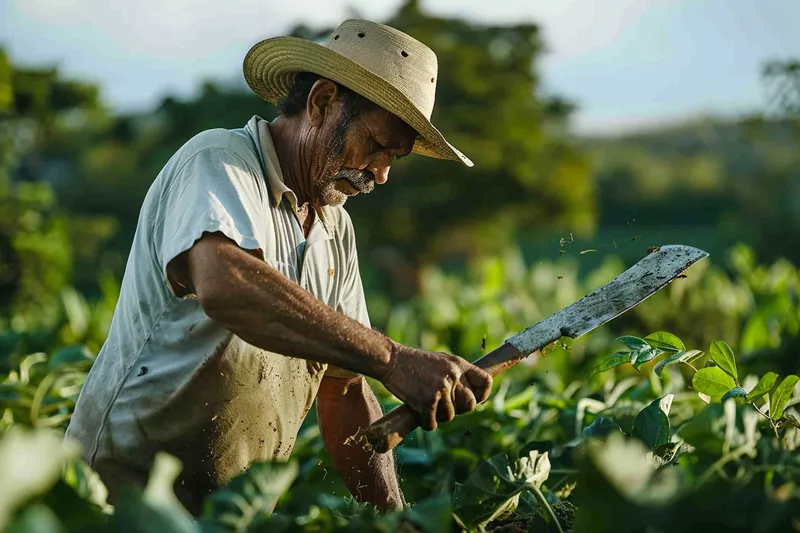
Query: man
(242, 300)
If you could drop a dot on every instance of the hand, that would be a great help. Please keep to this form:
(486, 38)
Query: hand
(436, 385)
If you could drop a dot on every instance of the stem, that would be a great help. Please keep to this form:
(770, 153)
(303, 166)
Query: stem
(730, 456)
(543, 501)
(771, 422)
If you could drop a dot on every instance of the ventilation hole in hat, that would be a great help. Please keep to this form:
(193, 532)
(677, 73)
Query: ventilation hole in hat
(404, 53)
(431, 80)
(336, 37)
(361, 34)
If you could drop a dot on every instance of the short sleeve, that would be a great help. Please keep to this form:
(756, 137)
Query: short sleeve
(352, 301)
(215, 190)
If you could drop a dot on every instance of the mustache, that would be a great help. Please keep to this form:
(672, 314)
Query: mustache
(363, 180)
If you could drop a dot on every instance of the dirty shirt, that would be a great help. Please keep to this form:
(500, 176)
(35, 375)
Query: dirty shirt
(170, 378)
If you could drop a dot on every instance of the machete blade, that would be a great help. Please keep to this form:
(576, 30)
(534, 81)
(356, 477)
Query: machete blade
(648, 276)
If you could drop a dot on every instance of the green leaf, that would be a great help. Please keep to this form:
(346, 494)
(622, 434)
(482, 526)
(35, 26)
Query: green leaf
(493, 490)
(617, 359)
(75, 512)
(781, 395)
(712, 381)
(431, 515)
(651, 425)
(736, 392)
(249, 495)
(666, 342)
(764, 386)
(634, 343)
(134, 512)
(641, 351)
(722, 354)
(645, 355)
(600, 427)
(36, 518)
(679, 357)
(30, 464)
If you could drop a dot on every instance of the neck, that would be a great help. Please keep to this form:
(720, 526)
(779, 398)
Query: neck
(291, 146)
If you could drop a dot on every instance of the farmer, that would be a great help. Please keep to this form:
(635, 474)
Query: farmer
(242, 301)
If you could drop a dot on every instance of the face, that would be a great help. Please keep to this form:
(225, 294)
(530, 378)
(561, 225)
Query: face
(360, 152)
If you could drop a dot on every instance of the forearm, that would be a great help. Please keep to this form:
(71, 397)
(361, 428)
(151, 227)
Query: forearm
(266, 309)
(344, 407)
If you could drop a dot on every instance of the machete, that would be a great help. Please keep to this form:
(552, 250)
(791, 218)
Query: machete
(657, 269)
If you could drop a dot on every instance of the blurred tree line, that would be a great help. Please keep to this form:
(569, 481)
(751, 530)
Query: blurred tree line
(73, 173)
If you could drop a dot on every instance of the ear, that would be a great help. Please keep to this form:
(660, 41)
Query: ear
(320, 99)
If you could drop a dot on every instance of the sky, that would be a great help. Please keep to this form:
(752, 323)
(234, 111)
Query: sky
(627, 64)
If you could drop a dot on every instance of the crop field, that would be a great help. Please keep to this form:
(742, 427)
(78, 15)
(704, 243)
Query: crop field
(634, 427)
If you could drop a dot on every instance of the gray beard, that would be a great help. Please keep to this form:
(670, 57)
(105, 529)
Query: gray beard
(362, 180)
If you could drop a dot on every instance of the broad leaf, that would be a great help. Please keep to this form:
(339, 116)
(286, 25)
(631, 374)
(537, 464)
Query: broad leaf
(764, 386)
(645, 355)
(736, 392)
(679, 357)
(136, 513)
(712, 381)
(493, 489)
(249, 495)
(30, 464)
(666, 342)
(651, 425)
(617, 359)
(641, 352)
(36, 518)
(634, 343)
(722, 354)
(666, 452)
(432, 515)
(600, 427)
(781, 395)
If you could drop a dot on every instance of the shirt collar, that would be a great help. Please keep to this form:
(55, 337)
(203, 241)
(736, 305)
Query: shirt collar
(259, 128)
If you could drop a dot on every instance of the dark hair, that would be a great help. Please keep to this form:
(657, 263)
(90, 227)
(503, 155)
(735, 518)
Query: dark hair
(295, 101)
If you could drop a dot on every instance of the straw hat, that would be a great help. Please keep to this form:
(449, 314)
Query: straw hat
(386, 66)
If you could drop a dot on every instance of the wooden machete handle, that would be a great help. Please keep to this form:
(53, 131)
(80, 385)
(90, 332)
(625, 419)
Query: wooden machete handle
(389, 431)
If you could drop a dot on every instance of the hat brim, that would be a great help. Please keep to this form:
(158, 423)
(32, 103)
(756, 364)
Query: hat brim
(270, 66)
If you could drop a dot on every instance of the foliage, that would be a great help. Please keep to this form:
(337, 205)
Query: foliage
(695, 423)
(784, 79)
(649, 448)
(665, 433)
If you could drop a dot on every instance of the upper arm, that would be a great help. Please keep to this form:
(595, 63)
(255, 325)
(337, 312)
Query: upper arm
(213, 200)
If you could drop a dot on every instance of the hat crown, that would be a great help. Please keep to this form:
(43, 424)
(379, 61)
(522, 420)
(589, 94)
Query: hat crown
(394, 56)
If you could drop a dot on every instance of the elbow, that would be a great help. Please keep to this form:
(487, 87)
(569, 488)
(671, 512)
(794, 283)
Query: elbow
(215, 300)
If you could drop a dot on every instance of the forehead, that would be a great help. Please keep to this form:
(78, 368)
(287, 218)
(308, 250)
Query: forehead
(388, 128)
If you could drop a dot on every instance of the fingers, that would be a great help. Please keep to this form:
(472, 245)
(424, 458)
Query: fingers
(446, 410)
(480, 382)
(464, 397)
(427, 418)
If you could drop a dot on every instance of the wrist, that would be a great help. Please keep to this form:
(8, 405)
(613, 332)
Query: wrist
(387, 367)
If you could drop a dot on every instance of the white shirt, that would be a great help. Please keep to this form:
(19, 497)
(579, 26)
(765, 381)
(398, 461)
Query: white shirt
(170, 378)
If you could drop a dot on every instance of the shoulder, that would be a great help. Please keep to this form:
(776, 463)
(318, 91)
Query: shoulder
(219, 144)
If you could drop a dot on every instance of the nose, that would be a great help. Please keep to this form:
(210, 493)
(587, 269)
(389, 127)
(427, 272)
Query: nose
(380, 168)
(381, 174)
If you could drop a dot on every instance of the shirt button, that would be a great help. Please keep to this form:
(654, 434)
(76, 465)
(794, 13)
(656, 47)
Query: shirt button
(331, 272)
